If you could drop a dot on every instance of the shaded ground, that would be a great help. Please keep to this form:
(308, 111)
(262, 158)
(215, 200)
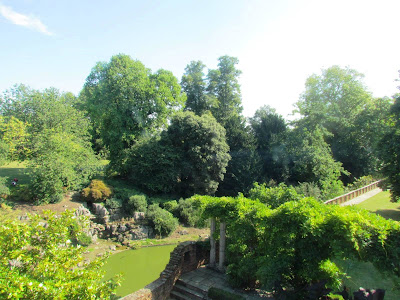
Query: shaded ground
(70, 201)
(204, 278)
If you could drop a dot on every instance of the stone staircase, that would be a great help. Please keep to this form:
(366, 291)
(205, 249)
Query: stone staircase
(185, 291)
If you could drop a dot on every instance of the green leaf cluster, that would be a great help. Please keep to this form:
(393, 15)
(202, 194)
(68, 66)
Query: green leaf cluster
(297, 243)
(161, 220)
(39, 260)
(190, 157)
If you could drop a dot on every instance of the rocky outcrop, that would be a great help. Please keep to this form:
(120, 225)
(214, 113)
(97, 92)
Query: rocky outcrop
(102, 214)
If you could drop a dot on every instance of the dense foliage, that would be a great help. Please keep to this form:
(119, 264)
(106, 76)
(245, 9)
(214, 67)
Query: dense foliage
(295, 244)
(39, 260)
(97, 191)
(161, 220)
(190, 157)
(125, 101)
(390, 145)
(274, 196)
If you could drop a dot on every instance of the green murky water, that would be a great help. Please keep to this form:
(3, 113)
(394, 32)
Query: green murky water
(138, 267)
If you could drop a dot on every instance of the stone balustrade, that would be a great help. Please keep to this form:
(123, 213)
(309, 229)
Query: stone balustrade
(353, 194)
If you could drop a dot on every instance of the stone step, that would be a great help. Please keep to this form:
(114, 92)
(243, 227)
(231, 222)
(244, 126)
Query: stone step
(178, 296)
(188, 292)
(192, 287)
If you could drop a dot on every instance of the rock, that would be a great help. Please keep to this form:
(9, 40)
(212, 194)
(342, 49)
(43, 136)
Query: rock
(122, 228)
(141, 232)
(113, 248)
(137, 216)
(101, 213)
(82, 211)
(183, 232)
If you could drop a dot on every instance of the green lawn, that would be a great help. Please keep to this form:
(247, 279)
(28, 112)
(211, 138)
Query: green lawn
(381, 205)
(15, 170)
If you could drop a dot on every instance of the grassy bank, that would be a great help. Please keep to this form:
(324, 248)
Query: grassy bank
(381, 205)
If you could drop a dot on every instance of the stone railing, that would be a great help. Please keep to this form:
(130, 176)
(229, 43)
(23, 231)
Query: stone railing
(186, 257)
(353, 194)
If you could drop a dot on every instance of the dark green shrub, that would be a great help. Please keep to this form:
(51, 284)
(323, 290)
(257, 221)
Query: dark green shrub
(218, 294)
(161, 220)
(83, 239)
(309, 189)
(173, 207)
(190, 211)
(113, 203)
(274, 196)
(46, 187)
(136, 203)
(97, 191)
(4, 190)
(359, 183)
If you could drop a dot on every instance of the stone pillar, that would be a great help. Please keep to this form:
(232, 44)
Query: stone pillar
(212, 243)
(222, 239)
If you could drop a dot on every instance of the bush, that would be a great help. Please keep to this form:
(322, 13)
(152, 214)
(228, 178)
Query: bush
(4, 190)
(113, 203)
(190, 211)
(161, 220)
(359, 183)
(274, 196)
(96, 192)
(46, 187)
(83, 239)
(136, 203)
(309, 189)
(218, 294)
(172, 207)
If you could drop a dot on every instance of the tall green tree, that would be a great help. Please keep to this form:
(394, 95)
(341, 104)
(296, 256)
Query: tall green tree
(14, 138)
(223, 84)
(57, 139)
(190, 157)
(194, 84)
(334, 100)
(125, 102)
(311, 160)
(270, 130)
(224, 87)
(390, 145)
(43, 110)
(245, 166)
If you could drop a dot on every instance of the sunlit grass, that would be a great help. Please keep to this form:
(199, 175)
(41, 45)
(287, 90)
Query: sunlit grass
(15, 170)
(381, 205)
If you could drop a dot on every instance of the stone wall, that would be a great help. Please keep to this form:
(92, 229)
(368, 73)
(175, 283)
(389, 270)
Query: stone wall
(186, 257)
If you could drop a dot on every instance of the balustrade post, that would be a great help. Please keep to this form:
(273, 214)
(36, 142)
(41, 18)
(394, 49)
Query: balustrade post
(222, 242)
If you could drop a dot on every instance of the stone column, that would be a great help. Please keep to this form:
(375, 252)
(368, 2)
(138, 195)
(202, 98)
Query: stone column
(222, 239)
(212, 243)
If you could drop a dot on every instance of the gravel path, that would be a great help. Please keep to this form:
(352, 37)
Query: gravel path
(362, 198)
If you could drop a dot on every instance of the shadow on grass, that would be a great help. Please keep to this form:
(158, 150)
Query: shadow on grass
(389, 213)
(20, 173)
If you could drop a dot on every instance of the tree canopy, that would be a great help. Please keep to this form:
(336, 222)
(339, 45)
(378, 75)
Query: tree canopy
(125, 102)
(190, 157)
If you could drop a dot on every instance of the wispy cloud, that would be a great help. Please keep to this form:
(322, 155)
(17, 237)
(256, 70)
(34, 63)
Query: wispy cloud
(30, 22)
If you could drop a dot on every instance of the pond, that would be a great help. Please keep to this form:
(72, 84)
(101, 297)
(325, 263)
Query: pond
(138, 267)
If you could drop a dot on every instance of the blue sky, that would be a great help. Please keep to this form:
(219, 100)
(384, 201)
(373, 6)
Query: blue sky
(278, 43)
